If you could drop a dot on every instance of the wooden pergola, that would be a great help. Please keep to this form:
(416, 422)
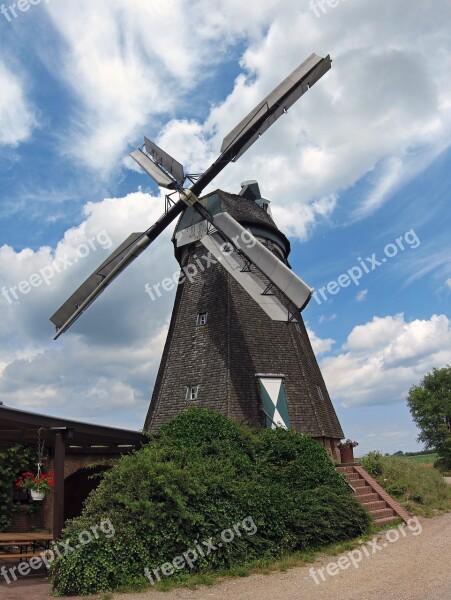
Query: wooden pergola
(63, 436)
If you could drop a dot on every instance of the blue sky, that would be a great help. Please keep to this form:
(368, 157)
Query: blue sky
(359, 162)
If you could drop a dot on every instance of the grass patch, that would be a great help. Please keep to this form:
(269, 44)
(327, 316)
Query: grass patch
(416, 486)
(426, 459)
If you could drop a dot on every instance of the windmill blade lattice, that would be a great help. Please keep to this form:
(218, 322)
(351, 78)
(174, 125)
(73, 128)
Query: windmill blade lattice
(169, 173)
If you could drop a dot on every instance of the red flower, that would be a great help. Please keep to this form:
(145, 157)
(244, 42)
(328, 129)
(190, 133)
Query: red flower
(42, 482)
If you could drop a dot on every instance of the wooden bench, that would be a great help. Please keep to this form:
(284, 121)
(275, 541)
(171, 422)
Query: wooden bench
(24, 544)
(24, 555)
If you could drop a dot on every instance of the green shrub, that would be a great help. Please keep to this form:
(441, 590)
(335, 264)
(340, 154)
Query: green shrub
(201, 476)
(443, 465)
(397, 490)
(373, 463)
(418, 498)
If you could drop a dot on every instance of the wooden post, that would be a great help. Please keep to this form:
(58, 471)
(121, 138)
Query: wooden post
(58, 490)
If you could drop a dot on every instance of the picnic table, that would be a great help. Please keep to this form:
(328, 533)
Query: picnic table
(23, 541)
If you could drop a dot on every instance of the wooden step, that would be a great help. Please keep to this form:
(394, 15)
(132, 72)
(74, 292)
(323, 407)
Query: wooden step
(397, 509)
(362, 491)
(372, 506)
(373, 497)
(351, 476)
(383, 513)
(358, 483)
(343, 470)
(382, 508)
(386, 521)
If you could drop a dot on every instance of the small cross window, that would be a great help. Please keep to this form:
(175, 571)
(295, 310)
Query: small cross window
(202, 319)
(192, 391)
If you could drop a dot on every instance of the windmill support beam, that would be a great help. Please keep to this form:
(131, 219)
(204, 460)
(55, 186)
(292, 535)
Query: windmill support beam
(58, 497)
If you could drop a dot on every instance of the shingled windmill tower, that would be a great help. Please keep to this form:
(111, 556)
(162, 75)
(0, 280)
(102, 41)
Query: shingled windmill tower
(223, 351)
(237, 342)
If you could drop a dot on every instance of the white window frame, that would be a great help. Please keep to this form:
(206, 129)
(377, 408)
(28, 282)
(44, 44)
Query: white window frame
(320, 392)
(202, 319)
(192, 393)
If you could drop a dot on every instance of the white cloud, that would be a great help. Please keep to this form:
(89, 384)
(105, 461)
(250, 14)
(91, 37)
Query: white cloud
(325, 319)
(132, 65)
(17, 117)
(338, 133)
(320, 345)
(448, 283)
(361, 296)
(382, 359)
(112, 353)
(129, 63)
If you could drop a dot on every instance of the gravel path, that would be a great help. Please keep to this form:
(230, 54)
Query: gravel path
(413, 568)
(416, 567)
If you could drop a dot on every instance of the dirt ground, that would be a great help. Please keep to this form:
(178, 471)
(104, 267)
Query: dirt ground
(415, 567)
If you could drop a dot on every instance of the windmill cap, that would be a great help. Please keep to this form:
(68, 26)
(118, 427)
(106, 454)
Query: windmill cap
(251, 190)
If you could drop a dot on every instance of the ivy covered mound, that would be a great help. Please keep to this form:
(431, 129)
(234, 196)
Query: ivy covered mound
(203, 475)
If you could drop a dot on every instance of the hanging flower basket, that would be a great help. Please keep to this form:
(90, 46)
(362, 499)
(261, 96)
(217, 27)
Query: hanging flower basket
(37, 485)
(37, 496)
(347, 451)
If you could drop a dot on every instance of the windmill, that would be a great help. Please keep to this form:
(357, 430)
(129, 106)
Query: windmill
(248, 283)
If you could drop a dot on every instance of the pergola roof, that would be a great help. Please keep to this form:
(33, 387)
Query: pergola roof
(21, 426)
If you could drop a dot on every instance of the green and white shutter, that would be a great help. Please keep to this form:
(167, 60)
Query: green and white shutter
(272, 390)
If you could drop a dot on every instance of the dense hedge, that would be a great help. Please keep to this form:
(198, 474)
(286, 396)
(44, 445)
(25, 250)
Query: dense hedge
(201, 476)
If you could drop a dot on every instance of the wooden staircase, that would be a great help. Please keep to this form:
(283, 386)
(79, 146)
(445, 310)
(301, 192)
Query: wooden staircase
(374, 498)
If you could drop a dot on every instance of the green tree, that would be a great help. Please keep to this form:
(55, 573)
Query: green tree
(430, 406)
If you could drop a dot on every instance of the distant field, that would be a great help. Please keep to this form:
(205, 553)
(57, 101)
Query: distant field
(426, 459)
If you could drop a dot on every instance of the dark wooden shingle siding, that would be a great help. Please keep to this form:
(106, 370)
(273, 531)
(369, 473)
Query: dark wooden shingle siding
(238, 342)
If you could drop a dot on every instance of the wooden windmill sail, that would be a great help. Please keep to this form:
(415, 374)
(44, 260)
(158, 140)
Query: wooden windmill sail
(237, 341)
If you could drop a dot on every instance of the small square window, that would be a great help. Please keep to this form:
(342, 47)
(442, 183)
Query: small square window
(20, 496)
(202, 319)
(192, 391)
